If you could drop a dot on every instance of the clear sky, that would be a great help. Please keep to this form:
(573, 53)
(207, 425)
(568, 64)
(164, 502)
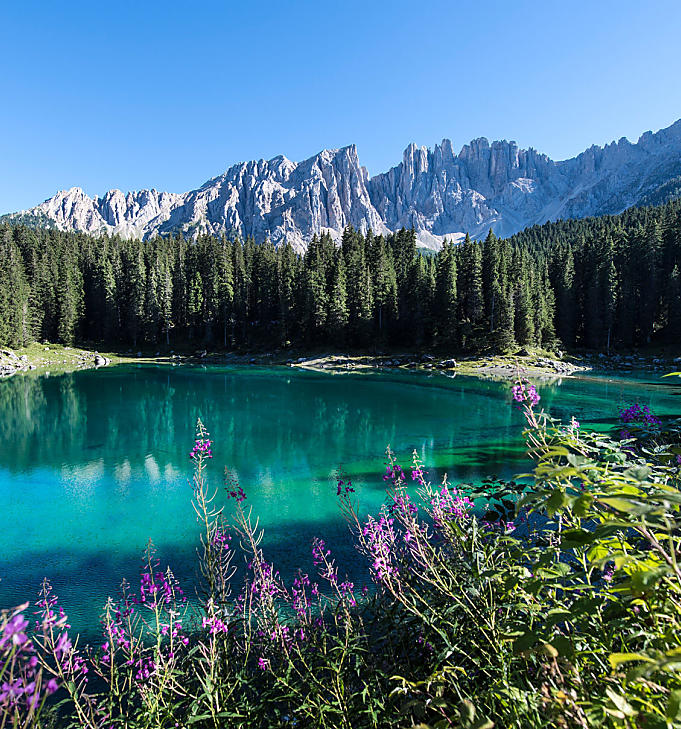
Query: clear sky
(168, 94)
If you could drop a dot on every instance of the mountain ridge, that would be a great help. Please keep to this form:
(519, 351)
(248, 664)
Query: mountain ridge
(440, 193)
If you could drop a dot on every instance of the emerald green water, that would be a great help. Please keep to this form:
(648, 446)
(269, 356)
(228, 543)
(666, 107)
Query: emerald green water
(93, 464)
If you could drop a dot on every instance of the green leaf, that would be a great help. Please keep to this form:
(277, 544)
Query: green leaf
(583, 505)
(562, 645)
(483, 724)
(549, 650)
(627, 507)
(556, 501)
(674, 706)
(639, 473)
(577, 537)
(620, 703)
(558, 615)
(617, 659)
(574, 459)
(644, 579)
(525, 641)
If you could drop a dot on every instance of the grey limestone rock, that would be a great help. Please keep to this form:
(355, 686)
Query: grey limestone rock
(439, 193)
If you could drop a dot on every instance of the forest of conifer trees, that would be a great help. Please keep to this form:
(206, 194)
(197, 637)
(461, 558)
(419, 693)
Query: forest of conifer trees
(600, 283)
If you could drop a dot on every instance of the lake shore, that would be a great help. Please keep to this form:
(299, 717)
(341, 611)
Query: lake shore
(56, 358)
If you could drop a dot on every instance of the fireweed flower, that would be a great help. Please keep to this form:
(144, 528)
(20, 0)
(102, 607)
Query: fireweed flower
(20, 673)
(237, 494)
(13, 632)
(201, 449)
(378, 539)
(301, 603)
(233, 488)
(639, 415)
(221, 539)
(215, 625)
(265, 582)
(346, 589)
(609, 573)
(319, 552)
(447, 505)
(344, 486)
(525, 392)
(394, 473)
(321, 557)
(403, 504)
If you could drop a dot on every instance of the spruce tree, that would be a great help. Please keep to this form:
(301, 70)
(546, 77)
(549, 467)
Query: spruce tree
(338, 314)
(446, 294)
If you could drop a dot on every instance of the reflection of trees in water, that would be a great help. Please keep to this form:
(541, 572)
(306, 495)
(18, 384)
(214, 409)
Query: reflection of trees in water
(257, 421)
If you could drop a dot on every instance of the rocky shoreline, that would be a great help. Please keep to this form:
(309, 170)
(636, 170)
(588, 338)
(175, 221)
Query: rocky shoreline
(524, 363)
(63, 358)
(508, 367)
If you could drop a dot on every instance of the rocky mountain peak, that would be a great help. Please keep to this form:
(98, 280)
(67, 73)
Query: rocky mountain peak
(436, 191)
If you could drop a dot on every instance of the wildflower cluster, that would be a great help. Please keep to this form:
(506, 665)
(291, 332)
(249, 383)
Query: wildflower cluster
(378, 538)
(448, 504)
(21, 686)
(344, 486)
(524, 391)
(202, 449)
(233, 487)
(638, 414)
(394, 473)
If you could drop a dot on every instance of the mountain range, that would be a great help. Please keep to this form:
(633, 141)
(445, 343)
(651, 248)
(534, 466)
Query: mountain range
(440, 193)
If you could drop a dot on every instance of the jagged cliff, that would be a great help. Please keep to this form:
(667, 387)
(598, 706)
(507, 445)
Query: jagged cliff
(437, 192)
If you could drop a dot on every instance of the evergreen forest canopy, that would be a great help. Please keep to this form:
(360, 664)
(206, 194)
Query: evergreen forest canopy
(601, 283)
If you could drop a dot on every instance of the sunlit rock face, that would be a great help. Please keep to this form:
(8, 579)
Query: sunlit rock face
(440, 193)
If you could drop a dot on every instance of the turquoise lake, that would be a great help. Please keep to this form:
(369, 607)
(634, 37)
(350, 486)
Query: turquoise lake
(93, 464)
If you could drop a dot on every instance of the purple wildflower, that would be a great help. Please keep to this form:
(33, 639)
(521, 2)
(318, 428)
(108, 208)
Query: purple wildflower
(202, 449)
(13, 631)
(525, 392)
(639, 415)
(344, 487)
(447, 505)
(378, 537)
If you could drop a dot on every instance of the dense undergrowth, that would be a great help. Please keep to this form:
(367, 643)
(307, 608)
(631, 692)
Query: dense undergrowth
(556, 604)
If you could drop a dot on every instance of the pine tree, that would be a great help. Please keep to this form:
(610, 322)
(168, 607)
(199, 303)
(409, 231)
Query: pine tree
(445, 294)
(15, 330)
(165, 299)
(135, 276)
(490, 278)
(524, 313)
(384, 285)
(674, 313)
(338, 316)
(225, 287)
(470, 282)
(566, 304)
(286, 283)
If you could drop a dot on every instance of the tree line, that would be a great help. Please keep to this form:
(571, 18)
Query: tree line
(601, 283)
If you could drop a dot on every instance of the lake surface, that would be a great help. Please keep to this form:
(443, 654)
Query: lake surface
(94, 464)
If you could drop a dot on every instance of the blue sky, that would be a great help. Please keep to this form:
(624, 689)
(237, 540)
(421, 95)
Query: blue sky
(166, 95)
